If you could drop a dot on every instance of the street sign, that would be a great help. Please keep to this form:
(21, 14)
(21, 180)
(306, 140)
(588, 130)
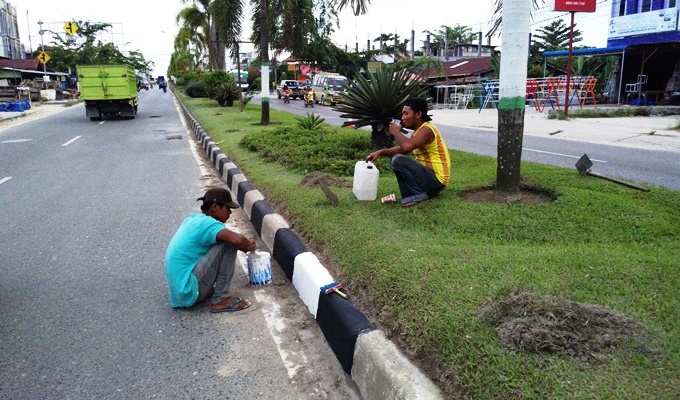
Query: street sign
(71, 28)
(575, 5)
(43, 57)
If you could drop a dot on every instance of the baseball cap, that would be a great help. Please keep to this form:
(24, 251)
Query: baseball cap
(218, 195)
(418, 104)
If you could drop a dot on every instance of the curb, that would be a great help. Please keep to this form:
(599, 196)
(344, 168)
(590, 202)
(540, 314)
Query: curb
(373, 362)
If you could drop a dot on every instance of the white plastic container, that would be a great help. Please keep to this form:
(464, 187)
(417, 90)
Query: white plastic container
(365, 184)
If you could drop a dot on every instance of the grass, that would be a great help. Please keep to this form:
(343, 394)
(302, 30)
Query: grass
(424, 271)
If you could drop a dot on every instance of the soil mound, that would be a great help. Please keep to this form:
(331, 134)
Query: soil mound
(317, 177)
(541, 323)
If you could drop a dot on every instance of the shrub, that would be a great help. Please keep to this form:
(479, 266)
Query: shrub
(196, 89)
(226, 93)
(214, 81)
(310, 122)
(330, 150)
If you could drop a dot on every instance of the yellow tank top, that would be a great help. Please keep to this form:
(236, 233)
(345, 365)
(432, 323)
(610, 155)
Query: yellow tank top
(434, 155)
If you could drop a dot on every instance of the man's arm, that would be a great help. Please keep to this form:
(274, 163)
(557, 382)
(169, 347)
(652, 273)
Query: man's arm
(239, 241)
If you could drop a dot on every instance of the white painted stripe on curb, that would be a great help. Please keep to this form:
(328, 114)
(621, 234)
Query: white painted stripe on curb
(271, 223)
(5, 179)
(235, 180)
(251, 197)
(309, 276)
(225, 170)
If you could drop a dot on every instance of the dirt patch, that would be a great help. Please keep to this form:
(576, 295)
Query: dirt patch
(551, 324)
(528, 194)
(315, 178)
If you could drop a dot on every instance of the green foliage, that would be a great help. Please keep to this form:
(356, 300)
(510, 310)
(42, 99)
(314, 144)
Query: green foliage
(84, 48)
(256, 84)
(329, 150)
(615, 113)
(196, 89)
(376, 99)
(226, 93)
(215, 80)
(185, 78)
(310, 122)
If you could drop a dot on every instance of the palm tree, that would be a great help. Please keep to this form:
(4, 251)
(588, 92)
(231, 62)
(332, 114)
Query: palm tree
(516, 16)
(199, 20)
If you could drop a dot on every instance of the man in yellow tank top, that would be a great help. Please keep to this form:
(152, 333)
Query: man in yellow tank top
(426, 173)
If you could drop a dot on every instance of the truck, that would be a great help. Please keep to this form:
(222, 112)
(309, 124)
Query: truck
(108, 90)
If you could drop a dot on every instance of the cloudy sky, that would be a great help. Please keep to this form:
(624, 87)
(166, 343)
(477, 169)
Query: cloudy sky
(149, 26)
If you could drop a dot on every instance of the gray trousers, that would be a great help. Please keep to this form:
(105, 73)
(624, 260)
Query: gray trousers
(216, 270)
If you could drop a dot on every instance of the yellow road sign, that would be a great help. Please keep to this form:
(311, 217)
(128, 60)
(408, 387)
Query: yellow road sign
(43, 57)
(71, 28)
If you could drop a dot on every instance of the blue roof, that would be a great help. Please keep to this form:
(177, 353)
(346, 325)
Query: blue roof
(586, 52)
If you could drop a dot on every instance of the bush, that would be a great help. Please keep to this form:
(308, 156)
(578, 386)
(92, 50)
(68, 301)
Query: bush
(185, 79)
(330, 150)
(214, 81)
(256, 84)
(196, 89)
(226, 93)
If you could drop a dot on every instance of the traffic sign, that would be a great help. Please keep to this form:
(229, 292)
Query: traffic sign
(43, 57)
(71, 28)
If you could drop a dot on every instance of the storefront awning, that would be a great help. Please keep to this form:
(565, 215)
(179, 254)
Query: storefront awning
(587, 52)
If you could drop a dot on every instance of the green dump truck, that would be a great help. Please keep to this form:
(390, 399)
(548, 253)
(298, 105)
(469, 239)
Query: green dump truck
(108, 90)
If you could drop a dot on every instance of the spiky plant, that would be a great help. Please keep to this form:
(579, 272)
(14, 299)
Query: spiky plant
(227, 93)
(378, 98)
(310, 122)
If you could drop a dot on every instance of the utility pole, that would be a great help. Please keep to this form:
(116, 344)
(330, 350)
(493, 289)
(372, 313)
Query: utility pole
(42, 45)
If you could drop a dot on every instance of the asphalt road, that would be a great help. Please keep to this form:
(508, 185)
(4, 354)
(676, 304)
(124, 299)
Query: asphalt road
(651, 167)
(88, 209)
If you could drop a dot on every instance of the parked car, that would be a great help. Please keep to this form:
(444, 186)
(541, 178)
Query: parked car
(296, 89)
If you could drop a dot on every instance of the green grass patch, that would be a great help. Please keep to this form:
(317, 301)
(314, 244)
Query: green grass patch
(425, 270)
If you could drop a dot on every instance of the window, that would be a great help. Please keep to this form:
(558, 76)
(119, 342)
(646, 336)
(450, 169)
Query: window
(645, 5)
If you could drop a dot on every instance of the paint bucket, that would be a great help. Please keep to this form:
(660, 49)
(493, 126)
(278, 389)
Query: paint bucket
(365, 183)
(259, 268)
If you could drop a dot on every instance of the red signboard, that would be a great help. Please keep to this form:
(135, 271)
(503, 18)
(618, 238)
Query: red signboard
(575, 5)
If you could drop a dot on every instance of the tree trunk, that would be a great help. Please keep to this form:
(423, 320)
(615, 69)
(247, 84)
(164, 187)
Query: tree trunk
(380, 139)
(511, 94)
(216, 50)
(510, 134)
(264, 58)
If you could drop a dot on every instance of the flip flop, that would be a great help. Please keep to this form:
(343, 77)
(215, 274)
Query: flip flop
(231, 306)
(409, 204)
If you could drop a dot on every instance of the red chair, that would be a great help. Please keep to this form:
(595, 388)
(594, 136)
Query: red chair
(588, 90)
(532, 92)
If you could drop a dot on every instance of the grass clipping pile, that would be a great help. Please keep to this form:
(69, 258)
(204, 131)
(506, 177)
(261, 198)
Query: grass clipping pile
(534, 323)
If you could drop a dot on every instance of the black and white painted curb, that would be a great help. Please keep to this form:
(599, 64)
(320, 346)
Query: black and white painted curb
(374, 363)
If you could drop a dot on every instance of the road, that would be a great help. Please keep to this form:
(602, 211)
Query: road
(88, 209)
(652, 167)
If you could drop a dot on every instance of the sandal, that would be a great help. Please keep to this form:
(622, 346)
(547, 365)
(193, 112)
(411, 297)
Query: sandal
(230, 304)
(409, 204)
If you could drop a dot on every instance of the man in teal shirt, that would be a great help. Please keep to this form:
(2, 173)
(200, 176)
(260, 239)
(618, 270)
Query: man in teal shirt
(201, 257)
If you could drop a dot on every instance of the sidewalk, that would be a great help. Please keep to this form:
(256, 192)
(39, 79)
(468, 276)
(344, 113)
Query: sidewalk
(653, 132)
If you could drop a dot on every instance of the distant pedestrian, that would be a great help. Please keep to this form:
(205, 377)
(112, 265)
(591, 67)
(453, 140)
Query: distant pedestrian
(428, 172)
(201, 257)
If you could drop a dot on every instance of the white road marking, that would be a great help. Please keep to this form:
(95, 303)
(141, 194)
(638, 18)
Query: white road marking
(71, 141)
(561, 155)
(16, 141)
(102, 123)
(5, 179)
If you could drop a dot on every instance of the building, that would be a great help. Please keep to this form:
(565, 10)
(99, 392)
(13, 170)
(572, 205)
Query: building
(10, 46)
(645, 36)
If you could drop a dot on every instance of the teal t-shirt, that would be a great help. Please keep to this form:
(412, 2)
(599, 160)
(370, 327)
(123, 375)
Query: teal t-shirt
(193, 240)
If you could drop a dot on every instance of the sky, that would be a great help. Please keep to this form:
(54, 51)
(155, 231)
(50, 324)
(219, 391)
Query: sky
(150, 27)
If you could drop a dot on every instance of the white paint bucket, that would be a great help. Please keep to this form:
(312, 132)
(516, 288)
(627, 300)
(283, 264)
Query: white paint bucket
(259, 268)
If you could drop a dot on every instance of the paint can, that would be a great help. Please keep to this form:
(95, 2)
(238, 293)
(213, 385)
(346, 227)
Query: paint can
(259, 268)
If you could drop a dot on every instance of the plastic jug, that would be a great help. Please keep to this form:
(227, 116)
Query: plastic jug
(365, 184)
(259, 268)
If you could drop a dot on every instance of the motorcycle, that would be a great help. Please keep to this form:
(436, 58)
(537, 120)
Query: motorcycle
(164, 86)
(309, 98)
(286, 97)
